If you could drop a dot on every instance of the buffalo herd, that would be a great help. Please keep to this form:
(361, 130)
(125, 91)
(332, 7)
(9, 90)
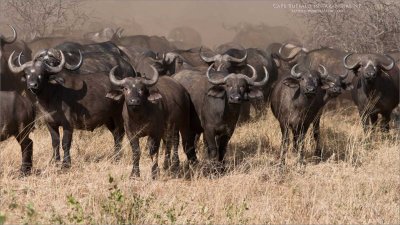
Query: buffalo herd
(144, 86)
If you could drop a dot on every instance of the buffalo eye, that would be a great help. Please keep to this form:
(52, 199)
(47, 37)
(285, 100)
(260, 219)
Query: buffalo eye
(125, 89)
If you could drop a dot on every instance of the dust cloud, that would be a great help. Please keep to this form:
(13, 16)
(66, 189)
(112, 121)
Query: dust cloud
(207, 17)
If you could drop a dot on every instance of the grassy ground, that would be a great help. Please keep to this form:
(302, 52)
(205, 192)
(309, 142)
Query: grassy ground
(358, 182)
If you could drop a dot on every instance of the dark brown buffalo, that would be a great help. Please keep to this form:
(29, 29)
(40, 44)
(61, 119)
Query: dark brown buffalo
(332, 59)
(144, 60)
(158, 108)
(99, 57)
(9, 81)
(290, 53)
(376, 87)
(296, 101)
(17, 119)
(184, 38)
(178, 60)
(235, 61)
(153, 43)
(217, 99)
(103, 35)
(40, 43)
(71, 101)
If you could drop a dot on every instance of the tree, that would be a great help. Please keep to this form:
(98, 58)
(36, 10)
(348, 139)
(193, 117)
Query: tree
(352, 25)
(44, 17)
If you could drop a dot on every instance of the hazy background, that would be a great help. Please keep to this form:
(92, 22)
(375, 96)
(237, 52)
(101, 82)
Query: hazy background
(207, 17)
(352, 25)
(159, 17)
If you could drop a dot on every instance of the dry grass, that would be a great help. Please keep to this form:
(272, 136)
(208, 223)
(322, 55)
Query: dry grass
(358, 182)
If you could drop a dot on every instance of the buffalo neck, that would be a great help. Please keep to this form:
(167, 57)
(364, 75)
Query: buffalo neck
(232, 111)
(47, 94)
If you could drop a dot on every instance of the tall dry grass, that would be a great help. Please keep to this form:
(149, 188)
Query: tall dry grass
(357, 182)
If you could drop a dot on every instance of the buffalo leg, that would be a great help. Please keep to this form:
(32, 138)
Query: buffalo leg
(209, 137)
(317, 138)
(189, 141)
(27, 150)
(364, 119)
(385, 122)
(298, 143)
(118, 135)
(153, 144)
(175, 154)
(284, 143)
(134, 142)
(55, 142)
(168, 139)
(66, 145)
(374, 120)
(222, 147)
(167, 153)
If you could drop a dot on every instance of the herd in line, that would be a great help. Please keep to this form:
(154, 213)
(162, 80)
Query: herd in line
(143, 86)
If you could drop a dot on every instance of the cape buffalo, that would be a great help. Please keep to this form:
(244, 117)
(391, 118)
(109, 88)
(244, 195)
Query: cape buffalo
(235, 60)
(71, 101)
(217, 101)
(291, 53)
(376, 86)
(153, 43)
(296, 102)
(9, 81)
(158, 108)
(177, 60)
(17, 119)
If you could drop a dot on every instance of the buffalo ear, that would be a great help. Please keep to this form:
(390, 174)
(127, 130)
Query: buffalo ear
(276, 59)
(56, 80)
(255, 93)
(291, 82)
(216, 92)
(154, 96)
(115, 95)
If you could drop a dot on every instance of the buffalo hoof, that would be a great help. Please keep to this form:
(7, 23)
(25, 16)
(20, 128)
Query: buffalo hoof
(301, 167)
(135, 173)
(25, 170)
(66, 165)
(155, 172)
(166, 164)
(117, 156)
(187, 171)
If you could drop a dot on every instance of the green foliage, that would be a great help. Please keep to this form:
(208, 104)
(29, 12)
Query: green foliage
(124, 208)
(76, 214)
(2, 218)
(30, 214)
(235, 212)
